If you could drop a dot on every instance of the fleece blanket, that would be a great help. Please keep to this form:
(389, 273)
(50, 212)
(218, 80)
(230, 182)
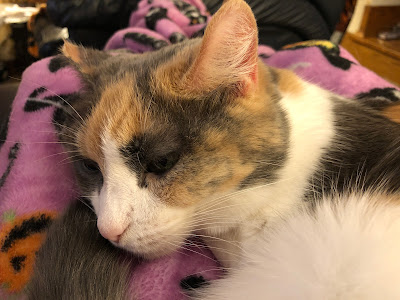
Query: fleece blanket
(36, 180)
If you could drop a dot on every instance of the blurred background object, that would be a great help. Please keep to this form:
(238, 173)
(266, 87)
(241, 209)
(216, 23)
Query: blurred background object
(46, 38)
(393, 34)
(14, 57)
(280, 22)
(370, 19)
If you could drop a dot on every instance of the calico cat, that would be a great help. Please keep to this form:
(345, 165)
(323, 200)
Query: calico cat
(202, 137)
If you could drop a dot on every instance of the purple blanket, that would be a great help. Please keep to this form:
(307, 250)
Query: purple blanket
(36, 181)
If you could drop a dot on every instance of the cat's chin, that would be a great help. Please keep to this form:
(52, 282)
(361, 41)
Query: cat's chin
(152, 250)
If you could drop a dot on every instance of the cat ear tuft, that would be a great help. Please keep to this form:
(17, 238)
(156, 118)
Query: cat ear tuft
(229, 50)
(85, 59)
(72, 51)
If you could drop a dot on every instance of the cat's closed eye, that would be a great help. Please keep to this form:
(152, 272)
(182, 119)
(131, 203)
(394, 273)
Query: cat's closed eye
(163, 164)
(89, 166)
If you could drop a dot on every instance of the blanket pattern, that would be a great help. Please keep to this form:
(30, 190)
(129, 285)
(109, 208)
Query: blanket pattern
(36, 178)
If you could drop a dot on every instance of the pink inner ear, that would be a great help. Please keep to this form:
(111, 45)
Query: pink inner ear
(228, 52)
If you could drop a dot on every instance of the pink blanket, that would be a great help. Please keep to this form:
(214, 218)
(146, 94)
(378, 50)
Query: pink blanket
(36, 181)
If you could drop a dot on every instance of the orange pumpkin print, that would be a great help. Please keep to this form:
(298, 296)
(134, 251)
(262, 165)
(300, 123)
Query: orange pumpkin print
(20, 239)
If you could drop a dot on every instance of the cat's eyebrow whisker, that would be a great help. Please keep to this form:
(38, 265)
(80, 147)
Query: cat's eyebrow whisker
(68, 160)
(54, 154)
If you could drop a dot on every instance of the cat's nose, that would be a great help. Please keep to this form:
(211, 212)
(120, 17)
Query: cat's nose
(111, 232)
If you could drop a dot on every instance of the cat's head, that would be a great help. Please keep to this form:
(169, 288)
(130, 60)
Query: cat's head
(167, 138)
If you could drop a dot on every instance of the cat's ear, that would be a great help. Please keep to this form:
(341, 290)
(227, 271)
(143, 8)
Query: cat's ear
(229, 50)
(84, 59)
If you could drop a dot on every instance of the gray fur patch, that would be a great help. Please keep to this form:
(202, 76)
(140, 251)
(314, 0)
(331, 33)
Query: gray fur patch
(76, 262)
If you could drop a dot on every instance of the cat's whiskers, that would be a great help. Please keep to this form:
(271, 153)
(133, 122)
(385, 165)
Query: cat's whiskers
(205, 217)
(90, 221)
(214, 238)
(178, 248)
(221, 250)
(226, 197)
(211, 225)
(193, 251)
(53, 132)
(73, 131)
(33, 143)
(55, 123)
(55, 94)
(59, 106)
(217, 209)
(88, 206)
(55, 154)
(203, 225)
(217, 201)
(68, 160)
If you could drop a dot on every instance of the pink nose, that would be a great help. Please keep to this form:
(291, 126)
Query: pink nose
(111, 233)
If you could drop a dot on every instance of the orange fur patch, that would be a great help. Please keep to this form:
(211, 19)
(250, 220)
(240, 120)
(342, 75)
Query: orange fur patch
(72, 51)
(75, 53)
(119, 112)
(190, 193)
(288, 81)
(392, 112)
(168, 77)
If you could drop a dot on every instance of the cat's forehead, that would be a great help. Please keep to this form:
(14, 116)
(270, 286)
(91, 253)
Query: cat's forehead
(138, 100)
(149, 63)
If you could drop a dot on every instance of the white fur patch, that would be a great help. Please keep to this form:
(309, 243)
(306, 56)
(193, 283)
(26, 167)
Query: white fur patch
(343, 251)
(148, 226)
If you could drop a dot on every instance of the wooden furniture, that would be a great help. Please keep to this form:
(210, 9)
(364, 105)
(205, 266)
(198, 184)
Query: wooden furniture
(382, 57)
